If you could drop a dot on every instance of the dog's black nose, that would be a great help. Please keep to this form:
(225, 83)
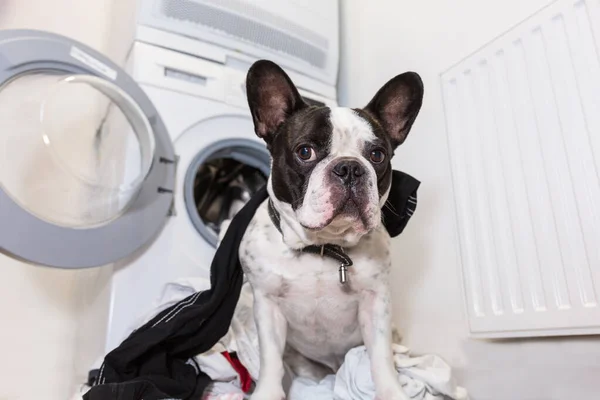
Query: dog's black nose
(349, 170)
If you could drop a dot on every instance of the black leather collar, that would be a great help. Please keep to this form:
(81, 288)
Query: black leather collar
(330, 250)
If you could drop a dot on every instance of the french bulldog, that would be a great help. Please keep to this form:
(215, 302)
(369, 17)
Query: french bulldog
(330, 177)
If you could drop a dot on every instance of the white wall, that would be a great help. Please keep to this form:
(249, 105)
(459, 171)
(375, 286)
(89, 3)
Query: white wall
(105, 25)
(380, 41)
(53, 321)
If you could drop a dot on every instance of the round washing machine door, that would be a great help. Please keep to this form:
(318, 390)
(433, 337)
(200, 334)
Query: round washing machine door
(86, 165)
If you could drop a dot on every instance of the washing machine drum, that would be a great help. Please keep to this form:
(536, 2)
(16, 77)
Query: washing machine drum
(86, 165)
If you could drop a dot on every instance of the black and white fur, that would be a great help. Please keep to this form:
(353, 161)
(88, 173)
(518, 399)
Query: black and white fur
(331, 193)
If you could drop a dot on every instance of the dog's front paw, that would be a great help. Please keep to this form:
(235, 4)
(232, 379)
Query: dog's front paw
(271, 394)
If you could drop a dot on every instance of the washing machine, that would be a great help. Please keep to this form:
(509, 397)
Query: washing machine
(101, 165)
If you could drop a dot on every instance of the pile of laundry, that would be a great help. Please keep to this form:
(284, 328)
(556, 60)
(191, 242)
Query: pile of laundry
(233, 363)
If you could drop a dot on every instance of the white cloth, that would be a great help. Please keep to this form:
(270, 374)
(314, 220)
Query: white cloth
(304, 388)
(422, 378)
(217, 367)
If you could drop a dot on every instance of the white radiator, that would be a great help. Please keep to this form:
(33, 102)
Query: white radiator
(523, 122)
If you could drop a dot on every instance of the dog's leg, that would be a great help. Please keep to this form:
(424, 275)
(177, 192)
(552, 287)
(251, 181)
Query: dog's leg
(272, 330)
(375, 323)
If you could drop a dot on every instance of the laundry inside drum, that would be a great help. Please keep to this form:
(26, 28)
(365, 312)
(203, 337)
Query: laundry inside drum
(222, 186)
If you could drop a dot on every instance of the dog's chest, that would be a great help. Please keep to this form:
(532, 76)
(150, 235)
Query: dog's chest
(322, 313)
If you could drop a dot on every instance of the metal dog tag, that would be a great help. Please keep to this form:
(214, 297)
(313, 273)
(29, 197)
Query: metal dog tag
(343, 273)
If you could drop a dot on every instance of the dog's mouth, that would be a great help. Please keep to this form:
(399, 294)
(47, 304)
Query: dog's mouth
(348, 213)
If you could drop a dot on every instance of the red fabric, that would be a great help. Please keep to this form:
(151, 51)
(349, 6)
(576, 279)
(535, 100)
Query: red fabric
(245, 378)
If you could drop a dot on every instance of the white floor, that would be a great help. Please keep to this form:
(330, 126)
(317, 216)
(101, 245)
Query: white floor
(52, 330)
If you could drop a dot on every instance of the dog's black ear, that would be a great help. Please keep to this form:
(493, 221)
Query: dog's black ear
(397, 104)
(272, 97)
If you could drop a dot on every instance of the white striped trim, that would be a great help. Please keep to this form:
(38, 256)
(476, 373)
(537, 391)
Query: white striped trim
(174, 310)
(184, 307)
(101, 379)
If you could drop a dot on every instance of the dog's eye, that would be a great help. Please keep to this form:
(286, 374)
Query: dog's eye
(306, 153)
(377, 156)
